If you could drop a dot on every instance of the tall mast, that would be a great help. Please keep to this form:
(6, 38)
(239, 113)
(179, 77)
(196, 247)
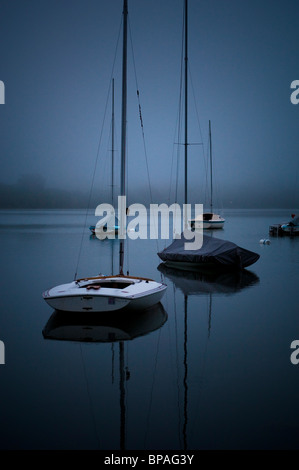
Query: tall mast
(112, 165)
(211, 168)
(186, 109)
(186, 224)
(112, 147)
(123, 130)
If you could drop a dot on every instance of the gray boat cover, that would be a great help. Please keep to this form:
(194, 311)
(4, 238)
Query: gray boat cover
(214, 252)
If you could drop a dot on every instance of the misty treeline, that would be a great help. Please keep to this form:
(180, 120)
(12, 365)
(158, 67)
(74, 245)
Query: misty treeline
(31, 192)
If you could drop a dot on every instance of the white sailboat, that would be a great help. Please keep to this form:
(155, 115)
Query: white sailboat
(109, 293)
(209, 220)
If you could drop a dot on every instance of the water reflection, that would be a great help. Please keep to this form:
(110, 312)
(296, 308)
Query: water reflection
(113, 327)
(123, 325)
(209, 282)
(203, 283)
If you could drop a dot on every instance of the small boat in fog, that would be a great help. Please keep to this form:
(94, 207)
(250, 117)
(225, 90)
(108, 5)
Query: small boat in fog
(289, 228)
(208, 220)
(107, 225)
(292, 226)
(110, 223)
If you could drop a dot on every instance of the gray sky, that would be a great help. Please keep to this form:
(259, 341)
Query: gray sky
(56, 59)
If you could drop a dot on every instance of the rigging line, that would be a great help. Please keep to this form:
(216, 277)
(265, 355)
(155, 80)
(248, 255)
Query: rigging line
(172, 165)
(195, 105)
(198, 122)
(178, 125)
(106, 169)
(110, 156)
(89, 398)
(177, 129)
(218, 198)
(142, 131)
(178, 150)
(206, 189)
(180, 106)
(140, 116)
(97, 155)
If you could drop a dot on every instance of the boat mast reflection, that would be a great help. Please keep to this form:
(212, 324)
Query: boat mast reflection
(107, 328)
(205, 283)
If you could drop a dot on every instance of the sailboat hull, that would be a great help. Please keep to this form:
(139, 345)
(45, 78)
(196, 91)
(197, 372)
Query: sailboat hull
(207, 221)
(86, 303)
(213, 224)
(288, 228)
(105, 294)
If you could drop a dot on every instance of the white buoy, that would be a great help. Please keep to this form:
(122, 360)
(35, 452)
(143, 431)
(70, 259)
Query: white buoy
(265, 241)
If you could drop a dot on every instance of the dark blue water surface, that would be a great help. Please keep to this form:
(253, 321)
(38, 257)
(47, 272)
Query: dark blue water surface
(209, 369)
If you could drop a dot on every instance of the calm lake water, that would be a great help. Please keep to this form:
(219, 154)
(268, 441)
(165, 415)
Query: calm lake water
(209, 369)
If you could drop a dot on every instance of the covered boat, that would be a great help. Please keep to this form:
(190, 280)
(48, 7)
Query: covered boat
(214, 253)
